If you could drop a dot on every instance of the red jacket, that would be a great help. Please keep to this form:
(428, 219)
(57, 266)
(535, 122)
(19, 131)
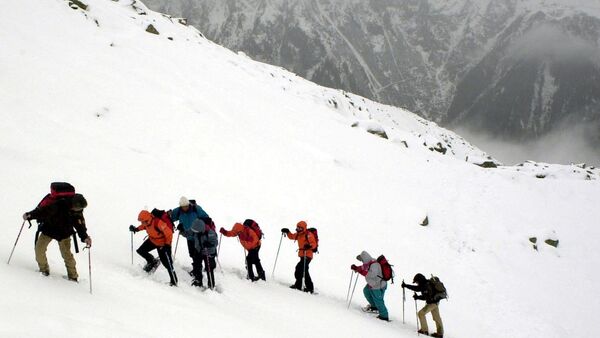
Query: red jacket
(247, 236)
(159, 233)
(304, 237)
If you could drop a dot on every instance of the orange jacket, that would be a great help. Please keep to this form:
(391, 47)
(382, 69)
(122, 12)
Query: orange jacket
(247, 236)
(159, 233)
(304, 237)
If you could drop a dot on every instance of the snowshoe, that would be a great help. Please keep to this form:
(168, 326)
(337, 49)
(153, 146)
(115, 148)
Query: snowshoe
(151, 266)
(369, 309)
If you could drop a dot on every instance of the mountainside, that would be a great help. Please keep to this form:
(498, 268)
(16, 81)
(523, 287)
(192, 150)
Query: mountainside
(510, 68)
(136, 109)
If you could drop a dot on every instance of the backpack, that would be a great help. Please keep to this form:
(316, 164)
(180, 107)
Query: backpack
(254, 227)
(58, 190)
(163, 216)
(316, 234)
(438, 290)
(386, 269)
(208, 222)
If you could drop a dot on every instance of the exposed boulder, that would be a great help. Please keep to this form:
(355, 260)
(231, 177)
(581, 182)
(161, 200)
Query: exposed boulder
(151, 29)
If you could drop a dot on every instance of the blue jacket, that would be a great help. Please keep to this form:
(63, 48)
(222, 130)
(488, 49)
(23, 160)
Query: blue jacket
(187, 218)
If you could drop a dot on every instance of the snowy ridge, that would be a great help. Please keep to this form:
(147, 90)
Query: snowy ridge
(135, 120)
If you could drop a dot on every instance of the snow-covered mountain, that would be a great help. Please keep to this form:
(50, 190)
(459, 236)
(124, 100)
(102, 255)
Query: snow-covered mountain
(136, 109)
(510, 68)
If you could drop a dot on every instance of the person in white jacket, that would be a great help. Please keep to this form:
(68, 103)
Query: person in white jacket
(376, 286)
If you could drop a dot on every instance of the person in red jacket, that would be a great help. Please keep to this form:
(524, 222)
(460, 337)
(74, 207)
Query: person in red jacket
(306, 245)
(160, 236)
(251, 242)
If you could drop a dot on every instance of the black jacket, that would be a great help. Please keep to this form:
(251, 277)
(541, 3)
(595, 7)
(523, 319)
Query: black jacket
(426, 291)
(57, 220)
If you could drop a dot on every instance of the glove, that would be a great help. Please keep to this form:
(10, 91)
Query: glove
(415, 297)
(307, 246)
(26, 216)
(285, 230)
(353, 267)
(222, 230)
(403, 284)
(133, 229)
(88, 241)
(180, 227)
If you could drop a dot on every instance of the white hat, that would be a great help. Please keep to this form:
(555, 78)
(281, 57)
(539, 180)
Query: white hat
(184, 202)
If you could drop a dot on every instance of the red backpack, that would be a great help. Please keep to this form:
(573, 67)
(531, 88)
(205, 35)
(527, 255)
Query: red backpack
(163, 216)
(386, 269)
(254, 227)
(316, 234)
(58, 190)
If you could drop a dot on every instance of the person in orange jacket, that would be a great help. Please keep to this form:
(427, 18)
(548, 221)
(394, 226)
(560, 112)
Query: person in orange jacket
(160, 236)
(250, 240)
(307, 243)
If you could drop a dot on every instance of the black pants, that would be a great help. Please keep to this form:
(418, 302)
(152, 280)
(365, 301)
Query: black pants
(253, 259)
(164, 254)
(300, 271)
(199, 261)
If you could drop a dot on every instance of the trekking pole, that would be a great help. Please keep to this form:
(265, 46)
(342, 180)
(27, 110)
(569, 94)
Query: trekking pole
(248, 267)
(176, 245)
(208, 274)
(354, 288)
(417, 316)
(14, 246)
(304, 272)
(89, 265)
(220, 267)
(403, 301)
(219, 249)
(276, 257)
(131, 247)
(349, 284)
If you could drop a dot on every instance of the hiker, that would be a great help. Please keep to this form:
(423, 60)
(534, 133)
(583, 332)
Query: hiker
(428, 294)
(306, 245)
(376, 285)
(205, 245)
(160, 236)
(57, 221)
(186, 213)
(250, 240)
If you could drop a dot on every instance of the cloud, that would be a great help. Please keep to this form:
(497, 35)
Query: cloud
(574, 143)
(548, 41)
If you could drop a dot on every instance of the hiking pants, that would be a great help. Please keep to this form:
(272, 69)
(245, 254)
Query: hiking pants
(300, 272)
(375, 299)
(164, 254)
(200, 260)
(435, 313)
(65, 250)
(253, 259)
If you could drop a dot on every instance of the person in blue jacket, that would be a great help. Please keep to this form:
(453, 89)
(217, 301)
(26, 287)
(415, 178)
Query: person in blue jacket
(186, 214)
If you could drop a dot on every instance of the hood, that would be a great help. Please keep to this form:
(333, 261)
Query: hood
(145, 215)
(364, 257)
(198, 226)
(302, 225)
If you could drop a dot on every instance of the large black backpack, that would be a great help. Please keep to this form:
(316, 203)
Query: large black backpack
(438, 290)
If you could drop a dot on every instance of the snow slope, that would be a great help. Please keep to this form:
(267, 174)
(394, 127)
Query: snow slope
(135, 120)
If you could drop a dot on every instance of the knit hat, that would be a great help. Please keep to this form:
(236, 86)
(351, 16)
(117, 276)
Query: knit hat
(184, 202)
(78, 202)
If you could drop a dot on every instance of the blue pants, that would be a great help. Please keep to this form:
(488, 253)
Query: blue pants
(375, 298)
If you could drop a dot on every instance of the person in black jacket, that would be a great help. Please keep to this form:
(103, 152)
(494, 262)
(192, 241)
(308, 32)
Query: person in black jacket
(58, 220)
(428, 295)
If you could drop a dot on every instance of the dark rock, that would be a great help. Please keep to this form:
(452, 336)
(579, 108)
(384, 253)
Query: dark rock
(552, 242)
(378, 132)
(533, 241)
(151, 29)
(487, 164)
(425, 221)
(77, 4)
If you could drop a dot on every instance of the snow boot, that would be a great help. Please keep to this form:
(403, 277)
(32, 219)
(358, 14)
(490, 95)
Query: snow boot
(383, 318)
(437, 335)
(295, 287)
(423, 332)
(45, 273)
(150, 267)
(197, 283)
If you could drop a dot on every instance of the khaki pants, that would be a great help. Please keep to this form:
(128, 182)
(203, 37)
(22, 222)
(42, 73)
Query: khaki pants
(435, 313)
(65, 250)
